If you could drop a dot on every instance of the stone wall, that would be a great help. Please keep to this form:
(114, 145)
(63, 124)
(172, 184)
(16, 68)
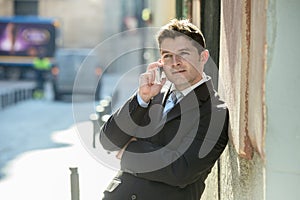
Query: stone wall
(241, 179)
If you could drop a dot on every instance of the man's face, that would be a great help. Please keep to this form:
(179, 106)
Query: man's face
(181, 62)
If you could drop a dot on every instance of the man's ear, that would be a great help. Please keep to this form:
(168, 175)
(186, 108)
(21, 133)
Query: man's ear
(204, 56)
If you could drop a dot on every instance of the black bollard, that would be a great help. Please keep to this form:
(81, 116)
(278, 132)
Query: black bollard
(96, 127)
(74, 184)
(108, 108)
(106, 105)
(100, 110)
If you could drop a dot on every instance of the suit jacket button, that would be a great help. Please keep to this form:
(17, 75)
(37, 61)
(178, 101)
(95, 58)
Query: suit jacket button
(133, 197)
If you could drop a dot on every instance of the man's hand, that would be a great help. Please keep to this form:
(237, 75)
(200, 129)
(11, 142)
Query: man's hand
(147, 87)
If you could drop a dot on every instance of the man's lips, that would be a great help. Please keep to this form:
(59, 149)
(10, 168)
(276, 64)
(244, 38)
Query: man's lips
(178, 72)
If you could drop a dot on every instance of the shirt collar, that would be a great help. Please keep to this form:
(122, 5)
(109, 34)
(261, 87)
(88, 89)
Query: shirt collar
(184, 92)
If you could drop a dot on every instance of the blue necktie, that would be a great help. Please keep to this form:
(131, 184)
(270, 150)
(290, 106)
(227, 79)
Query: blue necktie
(171, 102)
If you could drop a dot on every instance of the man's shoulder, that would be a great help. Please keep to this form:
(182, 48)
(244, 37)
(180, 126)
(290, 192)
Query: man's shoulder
(207, 92)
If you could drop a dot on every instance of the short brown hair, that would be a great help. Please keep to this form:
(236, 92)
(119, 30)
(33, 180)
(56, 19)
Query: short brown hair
(176, 28)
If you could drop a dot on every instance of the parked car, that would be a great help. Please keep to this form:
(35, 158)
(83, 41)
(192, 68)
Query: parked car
(76, 71)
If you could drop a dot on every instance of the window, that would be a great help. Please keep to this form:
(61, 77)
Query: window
(184, 9)
(26, 7)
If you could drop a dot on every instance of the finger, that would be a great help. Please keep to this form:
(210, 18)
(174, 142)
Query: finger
(153, 65)
(146, 78)
(151, 75)
(160, 63)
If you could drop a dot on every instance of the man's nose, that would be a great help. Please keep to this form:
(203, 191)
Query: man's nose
(176, 60)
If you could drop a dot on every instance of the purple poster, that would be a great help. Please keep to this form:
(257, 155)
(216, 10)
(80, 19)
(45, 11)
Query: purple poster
(25, 39)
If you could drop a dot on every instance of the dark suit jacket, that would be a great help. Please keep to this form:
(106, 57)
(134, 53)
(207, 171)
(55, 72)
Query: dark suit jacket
(172, 157)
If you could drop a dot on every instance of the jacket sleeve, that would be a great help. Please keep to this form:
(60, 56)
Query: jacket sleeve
(121, 126)
(185, 165)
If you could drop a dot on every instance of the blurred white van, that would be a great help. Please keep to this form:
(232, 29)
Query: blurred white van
(76, 71)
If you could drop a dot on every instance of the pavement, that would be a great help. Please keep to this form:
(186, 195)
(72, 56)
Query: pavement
(45, 174)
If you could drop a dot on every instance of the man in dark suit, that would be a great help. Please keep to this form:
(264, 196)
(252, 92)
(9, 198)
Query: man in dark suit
(173, 130)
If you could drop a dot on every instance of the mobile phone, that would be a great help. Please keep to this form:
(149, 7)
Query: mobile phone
(159, 75)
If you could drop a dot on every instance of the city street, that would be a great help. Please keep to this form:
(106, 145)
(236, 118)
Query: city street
(39, 143)
(41, 139)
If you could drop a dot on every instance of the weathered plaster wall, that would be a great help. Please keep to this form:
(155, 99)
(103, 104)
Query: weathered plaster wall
(242, 81)
(263, 99)
(234, 65)
(241, 179)
(212, 188)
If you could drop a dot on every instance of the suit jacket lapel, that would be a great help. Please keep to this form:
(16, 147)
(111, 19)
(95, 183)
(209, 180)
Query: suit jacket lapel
(160, 99)
(191, 101)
